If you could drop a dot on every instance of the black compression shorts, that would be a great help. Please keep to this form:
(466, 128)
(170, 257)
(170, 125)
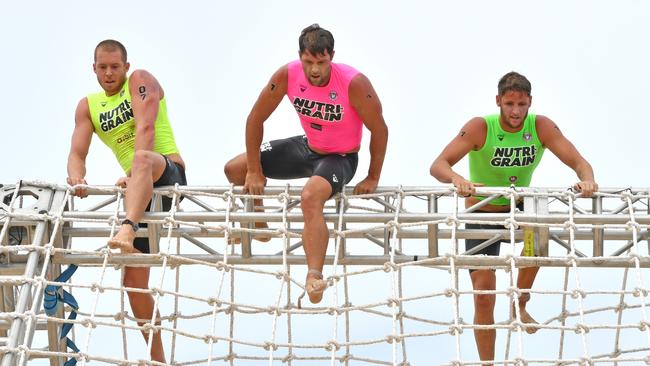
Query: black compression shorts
(492, 249)
(292, 158)
(173, 173)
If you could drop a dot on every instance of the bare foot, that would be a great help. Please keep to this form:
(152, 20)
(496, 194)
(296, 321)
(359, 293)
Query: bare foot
(259, 237)
(315, 286)
(526, 319)
(123, 240)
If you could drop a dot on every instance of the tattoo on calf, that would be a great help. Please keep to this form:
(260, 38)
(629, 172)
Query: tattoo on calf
(143, 91)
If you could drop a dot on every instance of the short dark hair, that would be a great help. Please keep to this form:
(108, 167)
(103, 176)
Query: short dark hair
(111, 45)
(514, 81)
(316, 40)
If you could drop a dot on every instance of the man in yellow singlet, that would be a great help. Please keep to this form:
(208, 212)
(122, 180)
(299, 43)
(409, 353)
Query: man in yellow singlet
(130, 116)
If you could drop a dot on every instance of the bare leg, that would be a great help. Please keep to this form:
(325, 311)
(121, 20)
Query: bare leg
(142, 306)
(147, 168)
(235, 171)
(525, 280)
(484, 313)
(315, 235)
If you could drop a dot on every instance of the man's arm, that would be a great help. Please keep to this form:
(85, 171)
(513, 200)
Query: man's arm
(367, 105)
(551, 137)
(266, 103)
(146, 94)
(470, 137)
(81, 138)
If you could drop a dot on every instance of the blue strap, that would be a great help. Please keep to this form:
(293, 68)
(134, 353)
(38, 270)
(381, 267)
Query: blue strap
(52, 298)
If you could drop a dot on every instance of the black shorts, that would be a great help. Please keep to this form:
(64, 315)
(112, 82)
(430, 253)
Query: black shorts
(492, 249)
(292, 158)
(174, 173)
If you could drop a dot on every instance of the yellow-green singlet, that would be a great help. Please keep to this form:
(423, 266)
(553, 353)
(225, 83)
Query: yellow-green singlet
(114, 123)
(506, 157)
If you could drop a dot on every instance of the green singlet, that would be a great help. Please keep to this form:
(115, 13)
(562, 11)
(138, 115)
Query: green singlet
(114, 123)
(506, 158)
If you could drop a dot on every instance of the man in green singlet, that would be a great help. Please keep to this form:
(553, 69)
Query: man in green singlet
(505, 149)
(130, 116)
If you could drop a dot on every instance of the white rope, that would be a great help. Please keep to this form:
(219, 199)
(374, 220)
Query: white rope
(396, 313)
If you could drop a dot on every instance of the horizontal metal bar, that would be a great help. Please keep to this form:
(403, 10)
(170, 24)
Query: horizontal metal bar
(376, 217)
(580, 234)
(473, 261)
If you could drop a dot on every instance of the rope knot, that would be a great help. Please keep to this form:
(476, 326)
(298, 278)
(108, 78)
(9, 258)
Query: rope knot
(89, 323)
(449, 292)
(516, 325)
(392, 302)
(289, 357)
(230, 357)
(274, 311)
(230, 309)
(633, 225)
(155, 291)
(332, 345)
(451, 221)
(284, 197)
(148, 327)
(96, 287)
(270, 345)
(578, 293)
(644, 325)
(388, 267)
(569, 225)
(213, 301)
(520, 361)
(393, 338)
(455, 330)
(346, 358)
(511, 224)
(339, 233)
(581, 328)
(638, 292)
(209, 338)
(621, 307)
(563, 315)
(120, 315)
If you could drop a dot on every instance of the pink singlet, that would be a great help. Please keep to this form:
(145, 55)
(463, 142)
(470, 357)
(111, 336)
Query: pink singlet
(326, 115)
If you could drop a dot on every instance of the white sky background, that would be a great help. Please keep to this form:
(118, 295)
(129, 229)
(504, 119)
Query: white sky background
(433, 64)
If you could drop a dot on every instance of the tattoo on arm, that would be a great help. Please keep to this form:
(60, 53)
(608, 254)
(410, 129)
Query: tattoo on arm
(143, 92)
(272, 86)
(462, 133)
(369, 96)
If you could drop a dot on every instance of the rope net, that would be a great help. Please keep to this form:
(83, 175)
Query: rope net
(398, 289)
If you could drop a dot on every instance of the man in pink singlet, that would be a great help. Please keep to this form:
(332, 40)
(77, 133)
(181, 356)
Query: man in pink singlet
(333, 102)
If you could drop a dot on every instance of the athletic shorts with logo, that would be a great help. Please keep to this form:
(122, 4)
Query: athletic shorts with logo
(173, 173)
(292, 158)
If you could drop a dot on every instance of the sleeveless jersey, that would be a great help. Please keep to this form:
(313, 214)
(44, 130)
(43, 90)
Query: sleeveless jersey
(506, 157)
(114, 123)
(327, 117)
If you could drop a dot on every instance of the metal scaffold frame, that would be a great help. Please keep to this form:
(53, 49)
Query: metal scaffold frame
(373, 229)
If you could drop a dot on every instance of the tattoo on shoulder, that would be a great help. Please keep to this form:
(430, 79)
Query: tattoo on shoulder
(272, 86)
(369, 96)
(462, 133)
(556, 127)
(143, 92)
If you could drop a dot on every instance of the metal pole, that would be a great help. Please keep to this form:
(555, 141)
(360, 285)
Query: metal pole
(23, 299)
(597, 208)
(432, 230)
